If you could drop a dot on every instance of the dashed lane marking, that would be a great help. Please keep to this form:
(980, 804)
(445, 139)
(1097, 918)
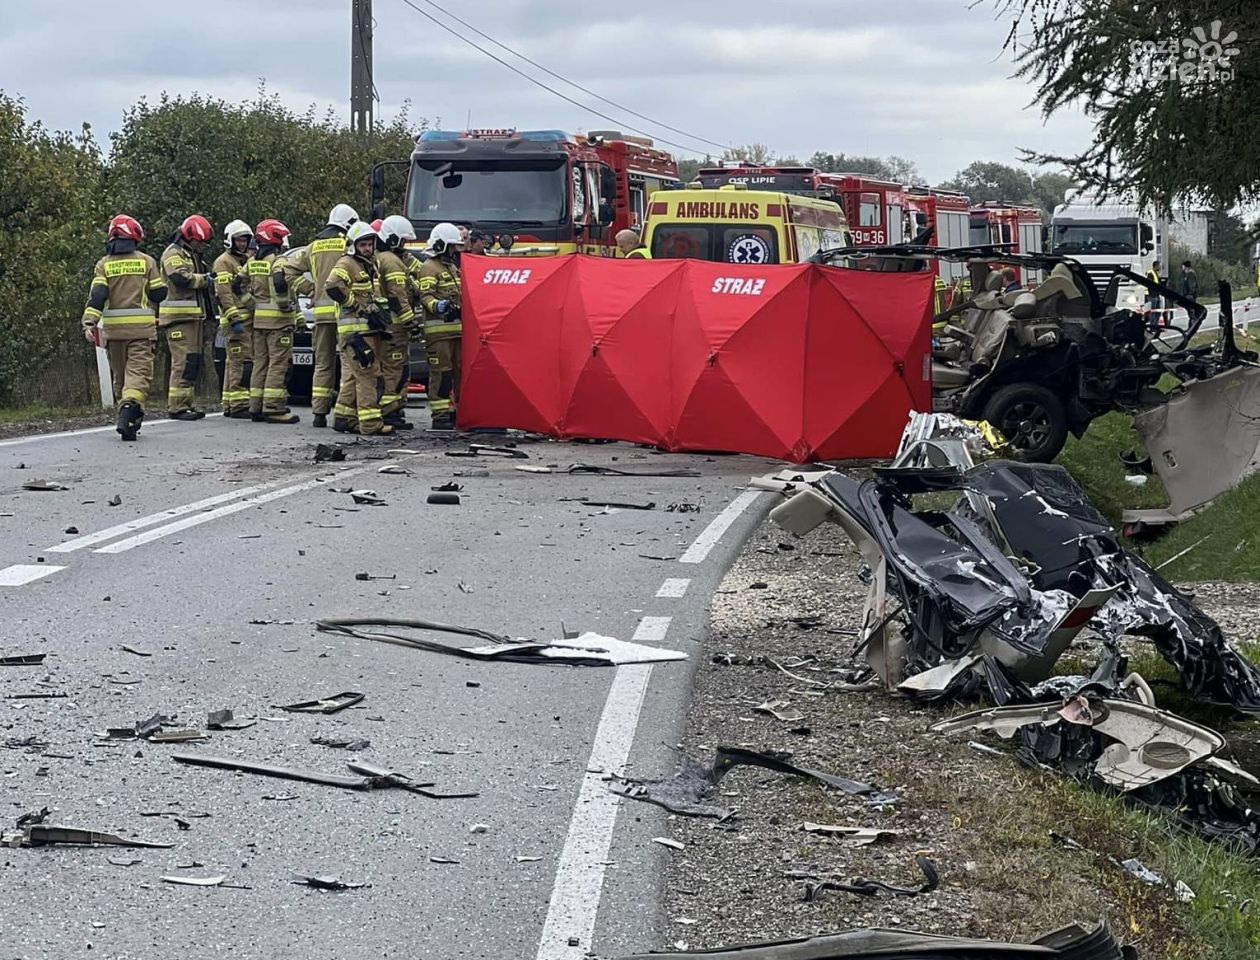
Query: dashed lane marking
(710, 535)
(674, 588)
(21, 574)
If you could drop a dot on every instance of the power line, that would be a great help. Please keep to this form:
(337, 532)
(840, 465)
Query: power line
(538, 83)
(575, 84)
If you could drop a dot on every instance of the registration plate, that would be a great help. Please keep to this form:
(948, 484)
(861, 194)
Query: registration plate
(304, 359)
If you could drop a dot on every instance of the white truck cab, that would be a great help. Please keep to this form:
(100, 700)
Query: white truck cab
(1105, 235)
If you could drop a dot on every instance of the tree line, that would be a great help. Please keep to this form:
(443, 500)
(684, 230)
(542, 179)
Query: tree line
(170, 158)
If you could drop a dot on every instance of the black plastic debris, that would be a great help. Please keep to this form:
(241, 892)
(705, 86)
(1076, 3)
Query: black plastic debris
(486, 450)
(443, 499)
(870, 888)
(334, 704)
(341, 744)
(620, 504)
(689, 790)
(23, 660)
(327, 453)
(42, 835)
(327, 883)
(369, 777)
(227, 720)
(376, 576)
(450, 486)
(114, 501)
(602, 470)
(33, 817)
(1072, 942)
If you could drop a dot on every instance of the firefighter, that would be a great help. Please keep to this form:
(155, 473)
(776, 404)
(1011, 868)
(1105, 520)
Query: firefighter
(353, 284)
(318, 258)
(235, 308)
(274, 319)
(190, 285)
(439, 289)
(631, 246)
(126, 287)
(396, 287)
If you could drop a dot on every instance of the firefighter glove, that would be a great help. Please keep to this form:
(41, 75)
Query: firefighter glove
(362, 352)
(238, 327)
(441, 307)
(238, 284)
(378, 320)
(209, 279)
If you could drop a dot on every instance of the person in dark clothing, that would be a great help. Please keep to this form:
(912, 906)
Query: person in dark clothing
(1189, 281)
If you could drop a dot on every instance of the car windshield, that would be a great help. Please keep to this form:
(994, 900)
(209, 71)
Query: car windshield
(496, 191)
(722, 244)
(1095, 238)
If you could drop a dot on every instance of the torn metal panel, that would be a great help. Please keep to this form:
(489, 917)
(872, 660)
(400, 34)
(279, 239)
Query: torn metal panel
(285, 773)
(334, 704)
(1202, 440)
(43, 835)
(870, 888)
(23, 660)
(1073, 942)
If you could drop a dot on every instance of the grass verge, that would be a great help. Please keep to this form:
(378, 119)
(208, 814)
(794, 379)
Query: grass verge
(40, 413)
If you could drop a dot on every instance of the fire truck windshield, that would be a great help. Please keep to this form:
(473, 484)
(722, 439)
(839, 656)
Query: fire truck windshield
(526, 192)
(1085, 238)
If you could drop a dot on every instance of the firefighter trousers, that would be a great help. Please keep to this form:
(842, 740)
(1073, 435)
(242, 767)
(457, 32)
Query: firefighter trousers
(359, 397)
(273, 352)
(130, 369)
(184, 343)
(324, 372)
(395, 369)
(444, 360)
(236, 371)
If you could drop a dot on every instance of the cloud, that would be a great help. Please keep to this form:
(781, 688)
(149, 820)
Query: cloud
(927, 81)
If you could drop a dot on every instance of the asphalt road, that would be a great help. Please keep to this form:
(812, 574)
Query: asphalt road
(254, 533)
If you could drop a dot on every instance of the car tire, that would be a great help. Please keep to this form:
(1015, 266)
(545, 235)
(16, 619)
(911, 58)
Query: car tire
(1031, 418)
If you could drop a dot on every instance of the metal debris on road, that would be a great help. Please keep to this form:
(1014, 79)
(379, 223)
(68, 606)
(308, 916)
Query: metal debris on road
(44, 486)
(35, 696)
(667, 842)
(367, 498)
(123, 861)
(42, 835)
(327, 883)
(853, 836)
(353, 745)
(689, 790)
(443, 860)
(620, 504)
(136, 650)
(334, 704)
(226, 720)
(327, 453)
(34, 816)
(776, 709)
(376, 576)
(198, 881)
(114, 501)
(870, 888)
(23, 660)
(486, 450)
(589, 649)
(394, 469)
(449, 487)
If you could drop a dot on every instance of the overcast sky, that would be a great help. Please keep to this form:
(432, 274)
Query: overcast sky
(925, 79)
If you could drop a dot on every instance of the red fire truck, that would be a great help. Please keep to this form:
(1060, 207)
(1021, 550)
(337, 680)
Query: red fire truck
(876, 209)
(947, 214)
(802, 181)
(1016, 227)
(539, 191)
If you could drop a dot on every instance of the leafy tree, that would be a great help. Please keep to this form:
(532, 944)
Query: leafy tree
(1229, 238)
(757, 153)
(987, 180)
(51, 219)
(242, 161)
(894, 168)
(1173, 108)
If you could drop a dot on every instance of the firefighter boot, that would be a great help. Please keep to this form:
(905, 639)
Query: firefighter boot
(319, 420)
(444, 421)
(187, 415)
(129, 417)
(345, 425)
(285, 417)
(398, 421)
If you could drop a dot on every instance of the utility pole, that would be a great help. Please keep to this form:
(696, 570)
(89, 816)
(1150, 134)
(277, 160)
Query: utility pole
(362, 88)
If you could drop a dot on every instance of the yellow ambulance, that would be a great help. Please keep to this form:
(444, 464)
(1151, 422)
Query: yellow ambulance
(736, 225)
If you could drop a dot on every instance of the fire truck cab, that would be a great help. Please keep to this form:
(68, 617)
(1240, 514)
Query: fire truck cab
(1017, 228)
(947, 214)
(539, 191)
(800, 181)
(876, 209)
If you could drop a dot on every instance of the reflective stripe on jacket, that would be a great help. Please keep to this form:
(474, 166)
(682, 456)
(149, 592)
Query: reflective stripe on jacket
(127, 280)
(357, 281)
(439, 280)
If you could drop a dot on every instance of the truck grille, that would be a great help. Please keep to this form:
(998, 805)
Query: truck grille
(1100, 275)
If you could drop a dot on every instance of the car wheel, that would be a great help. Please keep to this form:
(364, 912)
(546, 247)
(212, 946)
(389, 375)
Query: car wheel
(1031, 418)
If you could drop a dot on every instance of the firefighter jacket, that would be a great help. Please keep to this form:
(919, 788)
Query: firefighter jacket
(396, 287)
(639, 253)
(353, 284)
(126, 287)
(318, 258)
(290, 272)
(272, 310)
(439, 280)
(233, 306)
(185, 274)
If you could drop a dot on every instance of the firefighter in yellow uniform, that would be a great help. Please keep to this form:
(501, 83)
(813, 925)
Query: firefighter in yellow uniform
(190, 286)
(361, 319)
(393, 263)
(439, 289)
(318, 259)
(274, 319)
(235, 303)
(127, 286)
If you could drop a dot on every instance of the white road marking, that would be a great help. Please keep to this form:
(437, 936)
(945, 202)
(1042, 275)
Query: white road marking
(100, 536)
(23, 573)
(580, 873)
(652, 630)
(710, 535)
(674, 588)
(85, 431)
(149, 536)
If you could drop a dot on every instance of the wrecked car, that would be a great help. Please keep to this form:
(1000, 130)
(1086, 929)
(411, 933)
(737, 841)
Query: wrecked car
(1040, 362)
